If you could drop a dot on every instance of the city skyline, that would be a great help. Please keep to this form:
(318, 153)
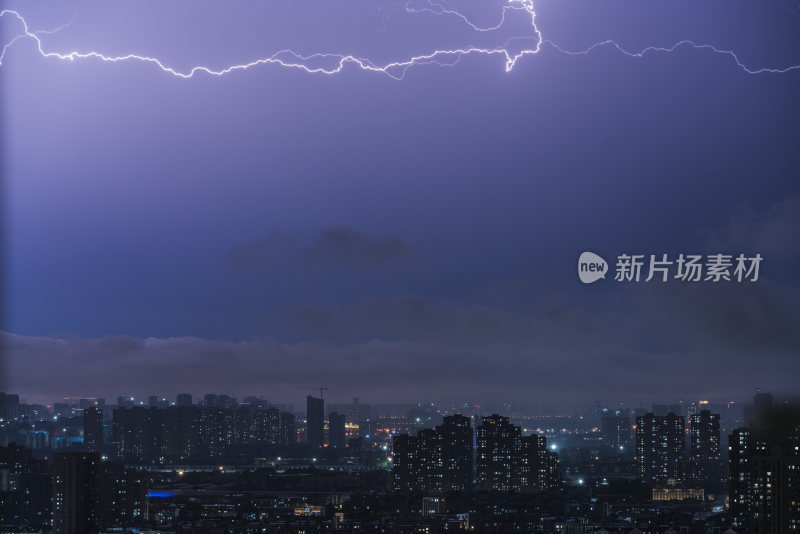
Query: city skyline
(401, 266)
(559, 407)
(85, 466)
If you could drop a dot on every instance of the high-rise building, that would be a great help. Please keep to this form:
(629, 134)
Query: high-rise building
(76, 496)
(660, 447)
(740, 444)
(266, 426)
(184, 399)
(705, 467)
(244, 424)
(123, 495)
(288, 431)
(405, 465)
(181, 432)
(315, 421)
(616, 429)
(217, 429)
(25, 489)
(93, 429)
(430, 472)
(499, 446)
(336, 433)
(455, 440)
(535, 463)
(763, 475)
(705, 436)
(9, 406)
(137, 433)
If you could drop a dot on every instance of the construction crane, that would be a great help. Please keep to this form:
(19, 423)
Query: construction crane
(322, 389)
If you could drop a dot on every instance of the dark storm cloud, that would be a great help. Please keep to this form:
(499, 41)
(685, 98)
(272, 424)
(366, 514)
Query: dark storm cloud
(414, 317)
(336, 245)
(349, 245)
(750, 318)
(770, 232)
(277, 247)
(744, 319)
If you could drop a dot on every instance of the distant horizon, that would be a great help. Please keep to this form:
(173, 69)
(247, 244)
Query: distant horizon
(501, 407)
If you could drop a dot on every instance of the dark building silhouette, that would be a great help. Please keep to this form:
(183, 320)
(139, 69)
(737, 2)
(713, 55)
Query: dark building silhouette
(405, 466)
(705, 436)
(189, 433)
(141, 434)
(184, 399)
(244, 424)
(436, 459)
(336, 432)
(537, 470)
(416, 462)
(123, 495)
(429, 474)
(217, 429)
(76, 495)
(224, 402)
(270, 430)
(764, 475)
(256, 424)
(740, 445)
(660, 447)
(507, 461)
(137, 433)
(705, 467)
(315, 421)
(499, 447)
(288, 430)
(616, 429)
(181, 433)
(455, 440)
(25, 488)
(9, 406)
(93, 429)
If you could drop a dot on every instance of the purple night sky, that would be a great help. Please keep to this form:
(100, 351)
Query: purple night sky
(408, 235)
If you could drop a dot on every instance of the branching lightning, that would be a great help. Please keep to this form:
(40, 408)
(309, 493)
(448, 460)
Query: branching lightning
(330, 63)
(679, 44)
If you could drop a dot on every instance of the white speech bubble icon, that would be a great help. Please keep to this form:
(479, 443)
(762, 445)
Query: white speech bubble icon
(591, 267)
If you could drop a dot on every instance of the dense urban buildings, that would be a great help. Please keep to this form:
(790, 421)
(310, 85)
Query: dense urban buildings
(81, 465)
(509, 461)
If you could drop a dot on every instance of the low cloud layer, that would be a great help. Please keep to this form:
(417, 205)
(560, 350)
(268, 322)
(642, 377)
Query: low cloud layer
(691, 343)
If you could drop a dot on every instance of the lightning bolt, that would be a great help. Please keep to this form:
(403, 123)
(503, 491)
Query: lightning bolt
(329, 63)
(679, 44)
